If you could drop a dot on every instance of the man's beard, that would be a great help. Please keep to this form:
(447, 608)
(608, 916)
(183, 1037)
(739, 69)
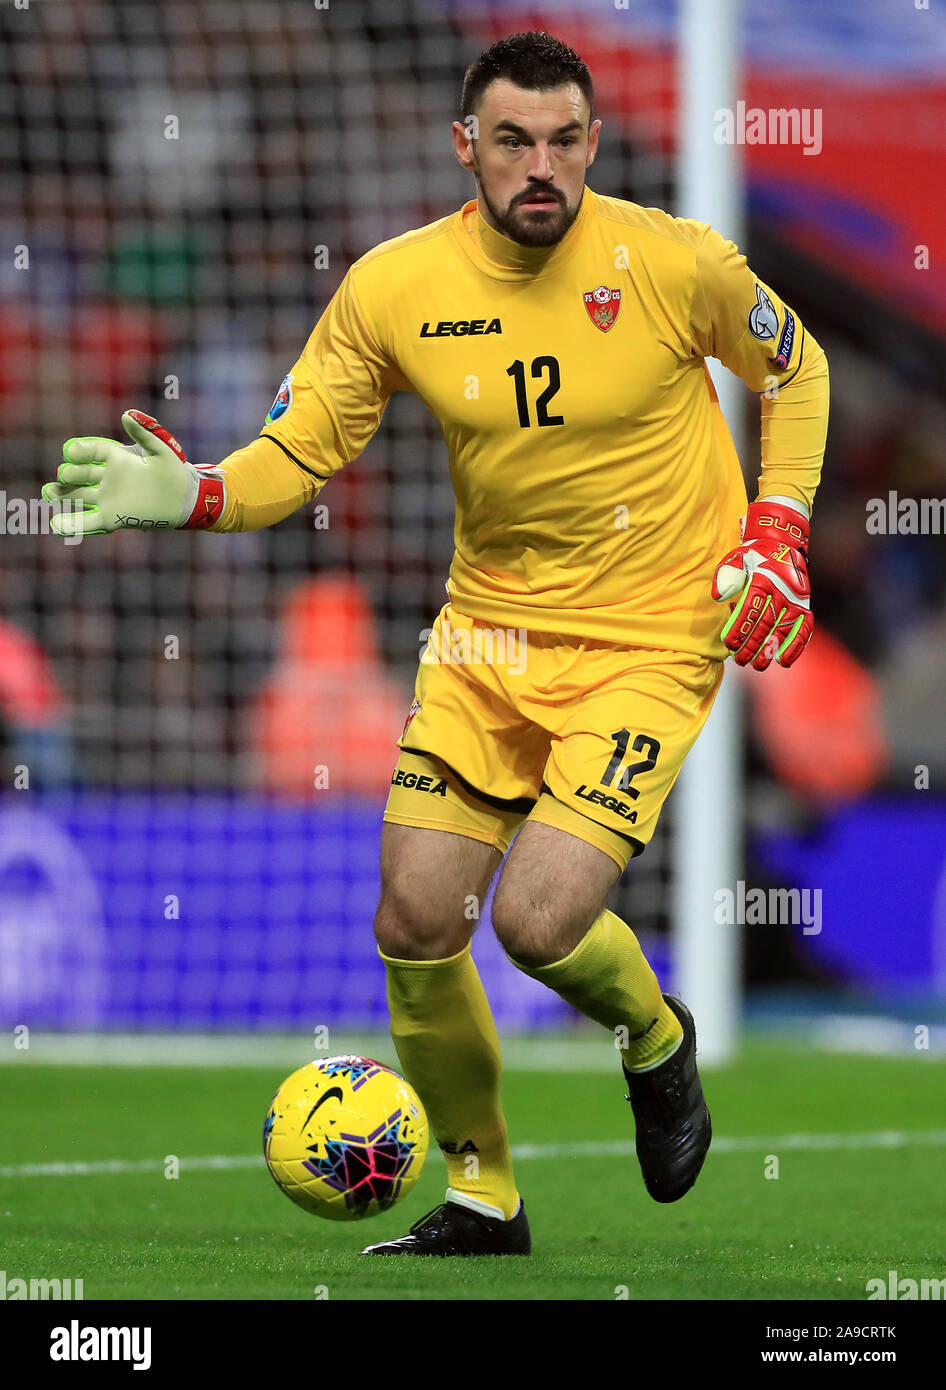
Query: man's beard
(530, 228)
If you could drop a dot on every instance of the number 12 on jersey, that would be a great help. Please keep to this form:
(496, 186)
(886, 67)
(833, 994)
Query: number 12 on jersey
(541, 366)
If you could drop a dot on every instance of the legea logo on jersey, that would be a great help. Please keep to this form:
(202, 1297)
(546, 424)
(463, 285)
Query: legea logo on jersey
(603, 306)
(460, 328)
(282, 402)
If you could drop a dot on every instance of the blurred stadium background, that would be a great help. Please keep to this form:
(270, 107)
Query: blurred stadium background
(167, 862)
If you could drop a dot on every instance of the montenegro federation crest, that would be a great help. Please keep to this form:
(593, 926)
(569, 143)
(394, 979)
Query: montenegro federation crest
(603, 305)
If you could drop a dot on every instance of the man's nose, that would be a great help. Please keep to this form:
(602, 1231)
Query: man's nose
(540, 165)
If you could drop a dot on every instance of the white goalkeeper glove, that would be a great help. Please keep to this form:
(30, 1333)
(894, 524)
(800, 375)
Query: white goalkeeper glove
(147, 487)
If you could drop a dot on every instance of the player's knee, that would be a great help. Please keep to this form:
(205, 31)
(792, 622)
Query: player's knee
(403, 928)
(411, 925)
(532, 930)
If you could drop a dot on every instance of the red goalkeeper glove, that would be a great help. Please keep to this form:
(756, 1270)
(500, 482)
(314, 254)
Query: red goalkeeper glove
(767, 575)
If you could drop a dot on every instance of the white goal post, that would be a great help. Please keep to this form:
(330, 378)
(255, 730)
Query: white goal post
(707, 805)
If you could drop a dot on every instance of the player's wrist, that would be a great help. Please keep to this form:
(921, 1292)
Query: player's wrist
(793, 502)
(206, 497)
(778, 519)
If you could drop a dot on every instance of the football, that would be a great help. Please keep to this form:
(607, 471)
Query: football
(345, 1137)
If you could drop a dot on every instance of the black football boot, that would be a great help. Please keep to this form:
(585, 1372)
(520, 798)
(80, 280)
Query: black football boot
(451, 1229)
(673, 1123)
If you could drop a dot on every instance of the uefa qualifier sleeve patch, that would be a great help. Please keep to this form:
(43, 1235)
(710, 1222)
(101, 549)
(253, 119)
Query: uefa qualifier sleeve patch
(282, 402)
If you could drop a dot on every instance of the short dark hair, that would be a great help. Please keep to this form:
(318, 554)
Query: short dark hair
(533, 60)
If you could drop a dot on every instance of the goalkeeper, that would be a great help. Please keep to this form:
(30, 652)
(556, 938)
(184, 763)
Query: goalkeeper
(559, 337)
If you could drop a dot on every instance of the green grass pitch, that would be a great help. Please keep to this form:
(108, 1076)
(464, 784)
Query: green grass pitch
(839, 1212)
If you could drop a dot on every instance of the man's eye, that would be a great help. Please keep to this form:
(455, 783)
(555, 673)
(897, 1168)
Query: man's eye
(511, 142)
(567, 141)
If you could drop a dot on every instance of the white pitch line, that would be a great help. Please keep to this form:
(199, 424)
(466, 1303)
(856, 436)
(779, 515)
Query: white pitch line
(97, 1167)
(734, 1144)
(580, 1050)
(617, 1148)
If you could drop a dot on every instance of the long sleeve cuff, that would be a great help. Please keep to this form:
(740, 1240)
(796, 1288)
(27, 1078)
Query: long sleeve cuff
(794, 430)
(263, 485)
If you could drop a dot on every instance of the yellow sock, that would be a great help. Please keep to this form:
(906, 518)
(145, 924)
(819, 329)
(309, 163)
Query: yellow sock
(607, 978)
(445, 1036)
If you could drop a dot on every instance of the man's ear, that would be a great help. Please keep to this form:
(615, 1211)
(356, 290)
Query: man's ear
(464, 133)
(593, 131)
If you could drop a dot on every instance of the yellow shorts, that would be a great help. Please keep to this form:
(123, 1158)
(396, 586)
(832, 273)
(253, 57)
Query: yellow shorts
(585, 736)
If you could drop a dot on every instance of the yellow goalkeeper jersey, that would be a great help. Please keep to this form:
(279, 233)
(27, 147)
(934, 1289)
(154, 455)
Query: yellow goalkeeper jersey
(597, 484)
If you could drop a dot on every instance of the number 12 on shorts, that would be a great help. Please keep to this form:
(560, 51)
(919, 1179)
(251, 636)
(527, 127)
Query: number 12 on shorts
(641, 743)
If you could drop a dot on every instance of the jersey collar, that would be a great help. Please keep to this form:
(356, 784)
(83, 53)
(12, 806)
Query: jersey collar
(503, 259)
